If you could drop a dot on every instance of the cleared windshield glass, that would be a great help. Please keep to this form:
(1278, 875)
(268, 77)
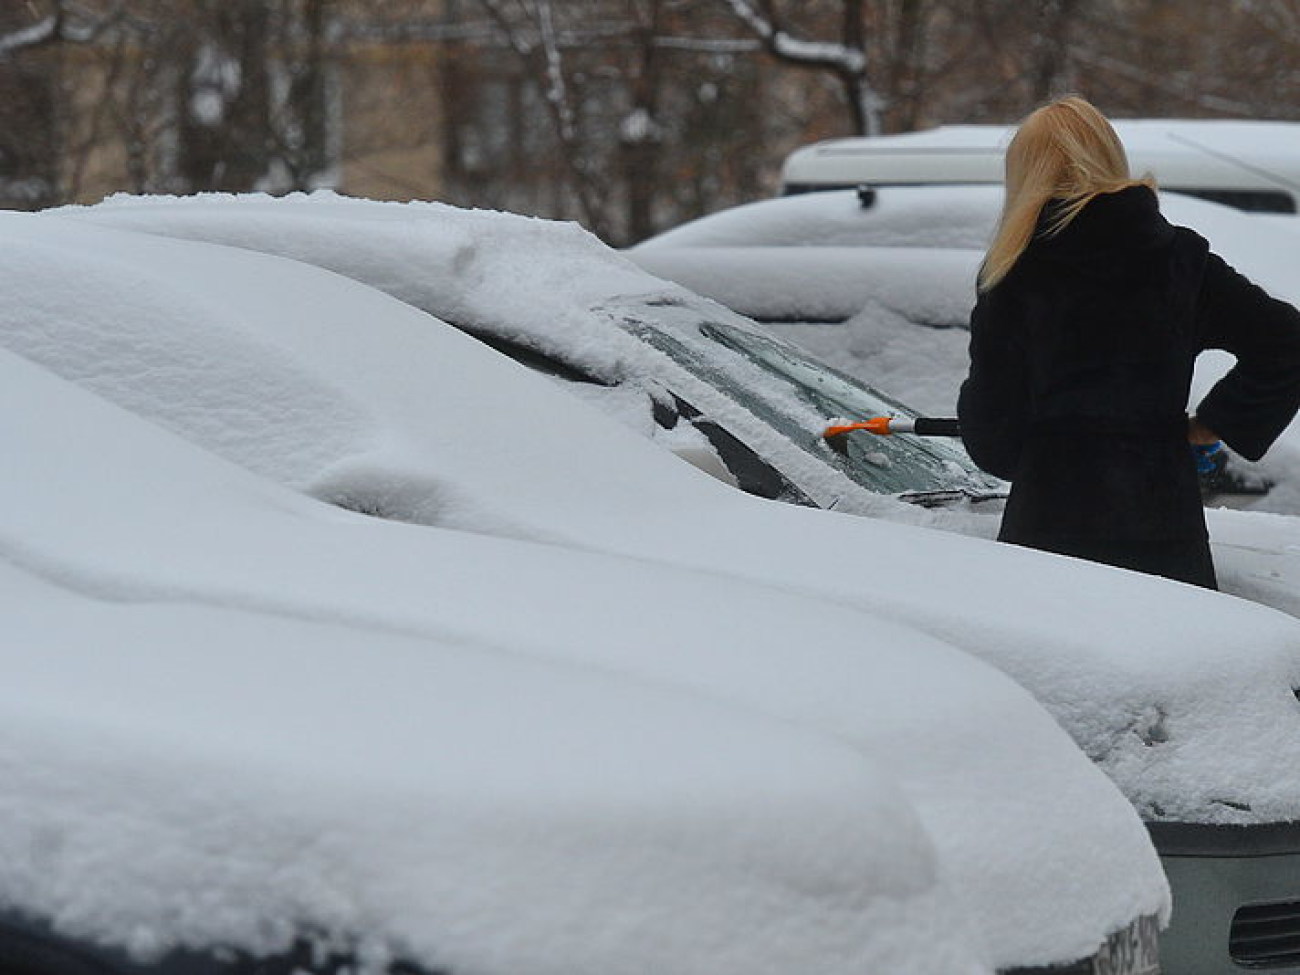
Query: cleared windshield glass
(798, 396)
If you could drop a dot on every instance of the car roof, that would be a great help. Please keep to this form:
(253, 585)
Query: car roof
(1227, 154)
(889, 216)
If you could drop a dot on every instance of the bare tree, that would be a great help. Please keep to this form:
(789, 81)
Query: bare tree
(531, 30)
(253, 94)
(33, 114)
(627, 115)
(845, 58)
(1052, 67)
(650, 107)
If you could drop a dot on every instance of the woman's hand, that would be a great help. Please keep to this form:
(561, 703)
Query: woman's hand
(1199, 434)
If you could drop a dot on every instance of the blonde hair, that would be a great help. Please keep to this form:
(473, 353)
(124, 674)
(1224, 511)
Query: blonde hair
(1064, 151)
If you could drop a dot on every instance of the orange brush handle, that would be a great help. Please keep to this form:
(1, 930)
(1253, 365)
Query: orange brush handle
(878, 425)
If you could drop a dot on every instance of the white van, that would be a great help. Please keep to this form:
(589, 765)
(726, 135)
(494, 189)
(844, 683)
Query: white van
(1250, 165)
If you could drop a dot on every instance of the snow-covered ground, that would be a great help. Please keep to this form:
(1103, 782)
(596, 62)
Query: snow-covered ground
(486, 739)
(1133, 667)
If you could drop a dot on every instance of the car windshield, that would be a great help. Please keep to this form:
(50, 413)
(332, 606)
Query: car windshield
(798, 396)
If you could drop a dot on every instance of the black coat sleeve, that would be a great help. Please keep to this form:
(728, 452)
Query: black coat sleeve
(993, 402)
(1254, 402)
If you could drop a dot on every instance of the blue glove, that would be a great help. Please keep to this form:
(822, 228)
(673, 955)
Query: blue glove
(1210, 457)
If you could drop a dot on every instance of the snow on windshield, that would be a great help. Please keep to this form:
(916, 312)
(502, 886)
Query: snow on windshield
(1138, 670)
(261, 718)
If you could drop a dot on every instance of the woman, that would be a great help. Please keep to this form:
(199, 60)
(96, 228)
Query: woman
(1091, 311)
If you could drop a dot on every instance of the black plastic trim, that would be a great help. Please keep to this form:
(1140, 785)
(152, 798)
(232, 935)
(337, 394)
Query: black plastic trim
(1249, 201)
(1204, 840)
(31, 946)
(534, 359)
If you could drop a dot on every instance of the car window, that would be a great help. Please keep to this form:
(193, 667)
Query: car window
(1251, 201)
(533, 358)
(894, 464)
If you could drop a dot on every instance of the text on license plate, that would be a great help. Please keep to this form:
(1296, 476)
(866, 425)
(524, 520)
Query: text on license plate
(1133, 951)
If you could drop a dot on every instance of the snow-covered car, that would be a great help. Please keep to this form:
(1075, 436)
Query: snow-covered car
(465, 735)
(1185, 698)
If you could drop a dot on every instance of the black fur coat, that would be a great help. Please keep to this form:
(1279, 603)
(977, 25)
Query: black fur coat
(1081, 361)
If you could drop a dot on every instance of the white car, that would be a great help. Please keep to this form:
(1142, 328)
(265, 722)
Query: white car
(1185, 698)
(468, 735)
(1250, 164)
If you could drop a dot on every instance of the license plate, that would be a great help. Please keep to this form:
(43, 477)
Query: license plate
(1132, 951)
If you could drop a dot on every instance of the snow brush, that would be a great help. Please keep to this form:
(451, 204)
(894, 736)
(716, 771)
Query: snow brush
(884, 426)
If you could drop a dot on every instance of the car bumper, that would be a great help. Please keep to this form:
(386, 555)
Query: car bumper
(1236, 893)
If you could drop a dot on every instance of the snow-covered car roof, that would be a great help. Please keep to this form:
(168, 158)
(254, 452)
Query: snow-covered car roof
(124, 538)
(1133, 667)
(890, 216)
(824, 284)
(830, 256)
